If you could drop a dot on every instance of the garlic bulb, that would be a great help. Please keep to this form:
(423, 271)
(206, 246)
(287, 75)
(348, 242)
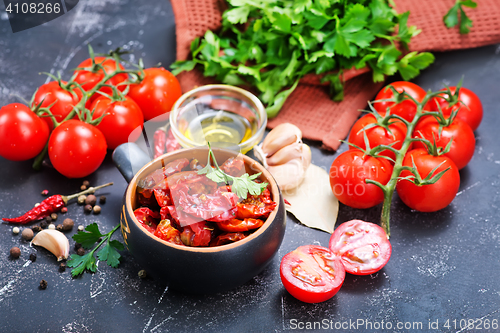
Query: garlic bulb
(285, 155)
(54, 241)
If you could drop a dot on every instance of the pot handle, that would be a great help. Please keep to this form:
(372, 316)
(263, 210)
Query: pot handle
(129, 158)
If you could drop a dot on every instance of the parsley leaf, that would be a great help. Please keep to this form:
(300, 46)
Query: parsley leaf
(242, 185)
(272, 44)
(109, 253)
(450, 19)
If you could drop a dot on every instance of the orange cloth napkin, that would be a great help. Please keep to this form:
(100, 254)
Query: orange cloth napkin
(309, 106)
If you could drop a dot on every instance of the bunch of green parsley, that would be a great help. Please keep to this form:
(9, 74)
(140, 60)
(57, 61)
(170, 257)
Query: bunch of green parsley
(271, 44)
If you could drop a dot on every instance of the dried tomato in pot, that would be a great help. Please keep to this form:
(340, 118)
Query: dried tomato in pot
(197, 234)
(168, 233)
(226, 238)
(236, 225)
(148, 218)
(256, 206)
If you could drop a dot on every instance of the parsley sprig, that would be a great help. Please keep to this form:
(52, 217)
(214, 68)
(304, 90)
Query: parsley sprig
(242, 185)
(271, 44)
(109, 253)
(451, 17)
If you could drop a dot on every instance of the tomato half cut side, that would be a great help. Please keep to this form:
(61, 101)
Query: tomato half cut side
(362, 246)
(311, 273)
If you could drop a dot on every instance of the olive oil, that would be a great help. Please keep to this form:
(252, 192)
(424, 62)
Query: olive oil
(220, 128)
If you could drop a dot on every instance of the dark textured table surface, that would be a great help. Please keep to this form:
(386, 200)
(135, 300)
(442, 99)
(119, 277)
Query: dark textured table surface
(444, 268)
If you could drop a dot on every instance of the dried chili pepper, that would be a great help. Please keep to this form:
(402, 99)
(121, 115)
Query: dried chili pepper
(48, 206)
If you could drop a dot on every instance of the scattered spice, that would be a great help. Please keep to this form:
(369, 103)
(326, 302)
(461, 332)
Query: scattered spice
(48, 219)
(52, 226)
(15, 230)
(87, 208)
(142, 274)
(77, 246)
(81, 199)
(53, 216)
(64, 210)
(102, 199)
(33, 257)
(62, 267)
(45, 192)
(96, 209)
(59, 227)
(86, 183)
(15, 252)
(27, 234)
(68, 224)
(91, 200)
(80, 251)
(80, 228)
(44, 224)
(83, 187)
(36, 228)
(43, 284)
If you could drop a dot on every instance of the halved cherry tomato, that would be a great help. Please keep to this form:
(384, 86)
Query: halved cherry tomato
(312, 273)
(363, 247)
(467, 102)
(377, 135)
(406, 108)
(428, 198)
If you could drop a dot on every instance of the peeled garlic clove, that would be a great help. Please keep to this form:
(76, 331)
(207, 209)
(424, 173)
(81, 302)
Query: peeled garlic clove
(281, 136)
(54, 241)
(306, 156)
(285, 154)
(288, 175)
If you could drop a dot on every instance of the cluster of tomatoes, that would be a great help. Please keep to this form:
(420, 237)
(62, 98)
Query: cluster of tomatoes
(418, 153)
(313, 273)
(102, 106)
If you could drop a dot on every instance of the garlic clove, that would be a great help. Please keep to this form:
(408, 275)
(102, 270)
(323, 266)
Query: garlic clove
(306, 156)
(285, 154)
(281, 136)
(288, 175)
(54, 241)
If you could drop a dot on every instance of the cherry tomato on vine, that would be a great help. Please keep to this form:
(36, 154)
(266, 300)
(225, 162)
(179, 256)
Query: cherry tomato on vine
(311, 273)
(471, 108)
(406, 108)
(64, 100)
(377, 135)
(23, 134)
(156, 94)
(89, 78)
(76, 149)
(122, 118)
(347, 178)
(433, 197)
(362, 246)
(463, 140)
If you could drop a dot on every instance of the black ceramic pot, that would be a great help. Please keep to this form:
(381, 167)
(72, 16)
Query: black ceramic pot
(198, 270)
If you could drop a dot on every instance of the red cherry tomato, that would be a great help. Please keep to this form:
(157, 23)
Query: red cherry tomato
(377, 135)
(311, 273)
(471, 109)
(122, 118)
(64, 100)
(76, 149)
(156, 94)
(407, 108)
(88, 78)
(463, 144)
(428, 198)
(23, 134)
(362, 246)
(347, 178)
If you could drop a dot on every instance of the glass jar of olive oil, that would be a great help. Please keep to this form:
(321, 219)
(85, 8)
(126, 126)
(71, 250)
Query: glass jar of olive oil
(226, 116)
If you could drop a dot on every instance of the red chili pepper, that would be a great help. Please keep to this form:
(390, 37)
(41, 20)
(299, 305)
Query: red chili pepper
(160, 140)
(48, 206)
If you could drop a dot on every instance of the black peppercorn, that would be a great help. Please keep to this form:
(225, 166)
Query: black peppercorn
(77, 246)
(87, 208)
(43, 284)
(44, 224)
(102, 199)
(32, 256)
(142, 274)
(80, 251)
(62, 267)
(36, 228)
